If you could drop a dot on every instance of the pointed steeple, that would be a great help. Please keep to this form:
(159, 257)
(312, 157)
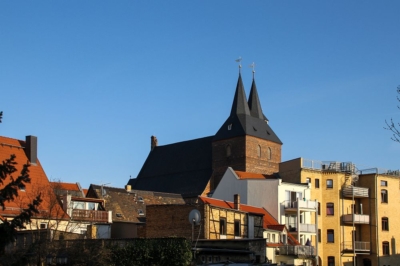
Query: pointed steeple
(254, 102)
(239, 105)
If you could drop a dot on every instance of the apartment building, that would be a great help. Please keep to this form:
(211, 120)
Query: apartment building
(354, 210)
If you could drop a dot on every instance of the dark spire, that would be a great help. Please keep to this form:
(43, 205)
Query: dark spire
(239, 105)
(254, 102)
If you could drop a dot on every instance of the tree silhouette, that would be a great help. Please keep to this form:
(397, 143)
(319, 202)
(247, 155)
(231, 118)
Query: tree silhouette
(392, 126)
(9, 192)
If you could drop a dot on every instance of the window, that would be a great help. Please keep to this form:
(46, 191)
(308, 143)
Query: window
(316, 182)
(273, 238)
(269, 153)
(384, 196)
(330, 236)
(228, 151)
(383, 183)
(22, 187)
(331, 261)
(385, 248)
(140, 211)
(330, 210)
(385, 224)
(43, 225)
(230, 127)
(319, 208)
(284, 239)
(237, 228)
(308, 180)
(268, 237)
(222, 226)
(329, 183)
(259, 151)
(319, 235)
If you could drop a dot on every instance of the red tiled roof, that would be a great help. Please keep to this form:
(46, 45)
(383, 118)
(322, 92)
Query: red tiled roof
(276, 227)
(66, 186)
(248, 175)
(85, 191)
(39, 183)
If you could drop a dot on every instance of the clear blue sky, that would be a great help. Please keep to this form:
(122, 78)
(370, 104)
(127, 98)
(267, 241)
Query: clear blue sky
(93, 80)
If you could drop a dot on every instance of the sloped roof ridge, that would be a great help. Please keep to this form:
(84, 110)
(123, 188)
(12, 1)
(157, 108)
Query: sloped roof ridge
(116, 189)
(182, 142)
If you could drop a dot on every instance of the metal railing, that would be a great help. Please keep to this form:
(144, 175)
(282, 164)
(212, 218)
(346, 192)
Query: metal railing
(308, 251)
(357, 192)
(90, 215)
(359, 246)
(303, 204)
(358, 218)
(308, 228)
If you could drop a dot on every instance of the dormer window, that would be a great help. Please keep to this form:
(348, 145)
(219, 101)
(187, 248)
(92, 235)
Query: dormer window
(140, 199)
(140, 212)
(22, 187)
(230, 127)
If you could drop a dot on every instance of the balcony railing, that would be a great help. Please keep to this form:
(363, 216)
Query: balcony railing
(357, 192)
(359, 247)
(302, 204)
(90, 215)
(304, 228)
(308, 251)
(358, 218)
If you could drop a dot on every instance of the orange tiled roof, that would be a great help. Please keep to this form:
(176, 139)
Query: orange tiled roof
(66, 186)
(248, 175)
(275, 227)
(39, 183)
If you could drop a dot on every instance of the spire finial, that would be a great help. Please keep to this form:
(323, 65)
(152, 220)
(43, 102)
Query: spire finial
(253, 66)
(239, 60)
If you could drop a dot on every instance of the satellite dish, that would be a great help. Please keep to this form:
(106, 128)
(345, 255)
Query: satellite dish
(194, 217)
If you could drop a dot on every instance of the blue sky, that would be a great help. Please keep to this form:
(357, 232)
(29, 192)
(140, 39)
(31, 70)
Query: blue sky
(93, 80)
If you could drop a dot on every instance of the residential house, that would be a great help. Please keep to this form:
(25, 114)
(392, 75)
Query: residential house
(221, 224)
(128, 207)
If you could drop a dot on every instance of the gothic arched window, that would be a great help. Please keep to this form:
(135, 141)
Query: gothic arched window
(228, 151)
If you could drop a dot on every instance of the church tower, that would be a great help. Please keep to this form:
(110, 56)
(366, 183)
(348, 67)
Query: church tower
(245, 141)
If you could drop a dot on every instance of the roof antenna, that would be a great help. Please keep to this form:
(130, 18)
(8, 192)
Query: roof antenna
(253, 67)
(239, 60)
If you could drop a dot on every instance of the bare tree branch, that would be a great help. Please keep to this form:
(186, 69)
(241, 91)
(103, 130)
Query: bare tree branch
(391, 125)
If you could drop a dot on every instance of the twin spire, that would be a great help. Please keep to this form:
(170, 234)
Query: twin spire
(240, 104)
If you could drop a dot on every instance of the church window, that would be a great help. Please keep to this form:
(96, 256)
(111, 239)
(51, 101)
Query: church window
(228, 151)
(269, 153)
(259, 151)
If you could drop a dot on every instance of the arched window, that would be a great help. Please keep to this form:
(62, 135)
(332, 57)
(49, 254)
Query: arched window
(259, 151)
(269, 153)
(228, 151)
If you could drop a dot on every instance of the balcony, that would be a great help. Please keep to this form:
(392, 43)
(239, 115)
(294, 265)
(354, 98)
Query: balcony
(360, 247)
(303, 251)
(357, 192)
(357, 218)
(304, 228)
(307, 205)
(90, 215)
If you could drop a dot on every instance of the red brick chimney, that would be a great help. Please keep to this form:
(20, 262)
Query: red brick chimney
(236, 200)
(154, 142)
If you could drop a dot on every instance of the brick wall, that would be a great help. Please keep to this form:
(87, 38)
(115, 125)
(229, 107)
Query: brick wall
(249, 154)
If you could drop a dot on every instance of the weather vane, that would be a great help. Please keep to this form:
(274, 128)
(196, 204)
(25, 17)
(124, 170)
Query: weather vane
(253, 66)
(239, 60)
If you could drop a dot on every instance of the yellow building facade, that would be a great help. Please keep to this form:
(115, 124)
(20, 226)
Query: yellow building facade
(358, 213)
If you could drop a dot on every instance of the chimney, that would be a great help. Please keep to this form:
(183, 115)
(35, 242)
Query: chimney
(236, 200)
(154, 142)
(128, 188)
(31, 149)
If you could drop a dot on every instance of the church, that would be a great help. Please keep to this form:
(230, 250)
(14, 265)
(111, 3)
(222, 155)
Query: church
(245, 142)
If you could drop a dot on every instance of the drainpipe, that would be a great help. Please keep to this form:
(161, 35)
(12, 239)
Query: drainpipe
(316, 238)
(376, 216)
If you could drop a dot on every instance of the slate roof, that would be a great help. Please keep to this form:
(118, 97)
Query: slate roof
(126, 205)
(39, 183)
(244, 120)
(187, 163)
